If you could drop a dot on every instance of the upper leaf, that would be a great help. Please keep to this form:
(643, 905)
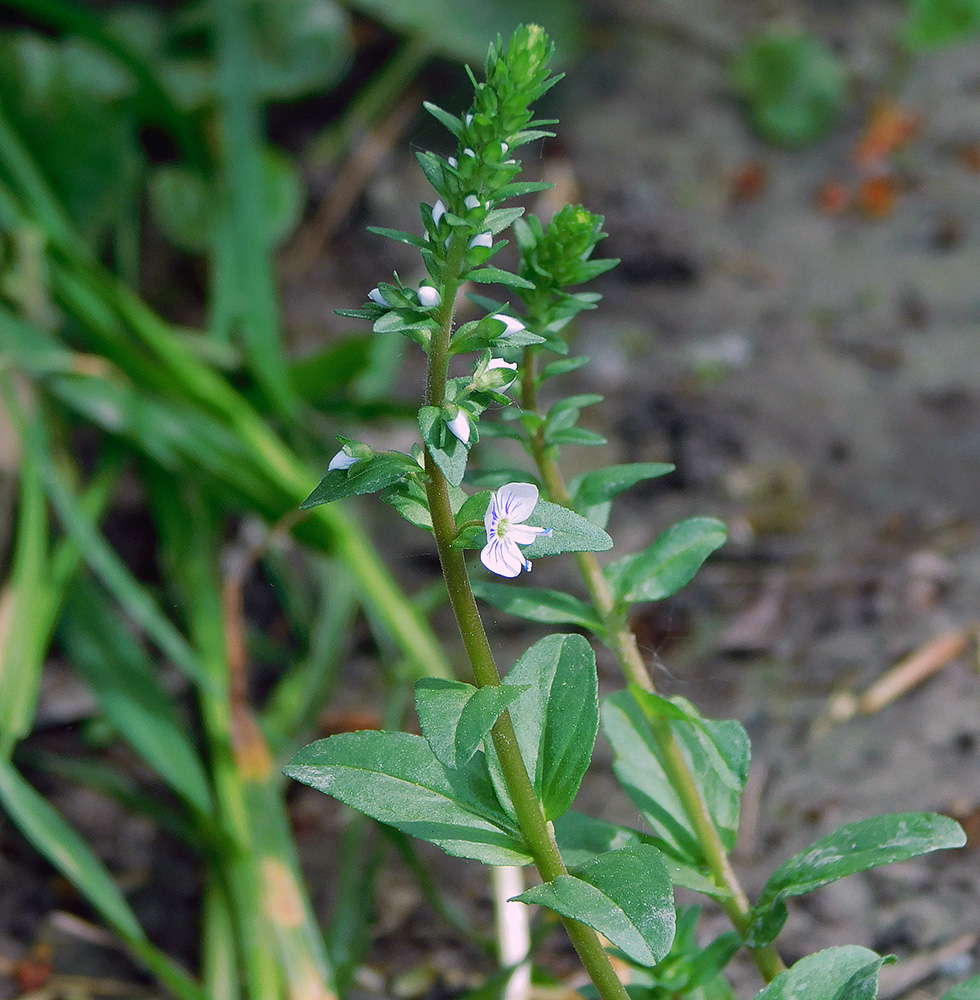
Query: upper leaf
(669, 563)
(448, 452)
(455, 717)
(626, 895)
(593, 493)
(536, 604)
(366, 476)
(854, 847)
(396, 779)
(556, 720)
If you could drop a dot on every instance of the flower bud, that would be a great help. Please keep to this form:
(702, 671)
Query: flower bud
(429, 297)
(375, 296)
(481, 240)
(341, 461)
(511, 325)
(460, 426)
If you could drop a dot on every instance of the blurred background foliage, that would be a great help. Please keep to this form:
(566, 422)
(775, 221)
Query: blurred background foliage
(122, 121)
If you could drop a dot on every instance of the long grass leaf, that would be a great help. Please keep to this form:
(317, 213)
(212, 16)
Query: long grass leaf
(244, 189)
(98, 553)
(65, 849)
(21, 660)
(129, 692)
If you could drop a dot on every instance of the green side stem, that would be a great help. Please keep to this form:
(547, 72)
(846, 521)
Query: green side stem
(622, 641)
(534, 827)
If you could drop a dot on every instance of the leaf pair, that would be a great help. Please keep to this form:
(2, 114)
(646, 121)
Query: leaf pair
(442, 788)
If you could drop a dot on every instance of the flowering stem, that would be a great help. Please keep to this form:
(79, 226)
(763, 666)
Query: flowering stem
(623, 642)
(534, 827)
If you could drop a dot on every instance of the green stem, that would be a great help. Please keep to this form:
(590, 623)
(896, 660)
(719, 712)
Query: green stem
(534, 827)
(623, 642)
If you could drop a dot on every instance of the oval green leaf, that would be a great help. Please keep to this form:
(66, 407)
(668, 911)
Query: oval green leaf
(396, 779)
(626, 895)
(845, 973)
(669, 563)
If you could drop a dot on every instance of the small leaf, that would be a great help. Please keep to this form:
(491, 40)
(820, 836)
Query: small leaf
(848, 972)
(581, 838)
(448, 452)
(556, 720)
(668, 564)
(535, 604)
(399, 236)
(450, 121)
(455, 717)
(575, 435)
(396, 779)
(605, 484)
(592, 493)
(570, 532)
(716, 752)
(496, 276)
(855, 847)
(369, 475)
(626, 895)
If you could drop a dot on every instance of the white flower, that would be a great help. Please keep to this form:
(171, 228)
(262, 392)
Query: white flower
(509, 506)
(460, 426)
(375, 296)
(481, 240)
(511, 325)
(471, 201)
(500, 363)
(341, 461)
(438, 211)
(429, 296)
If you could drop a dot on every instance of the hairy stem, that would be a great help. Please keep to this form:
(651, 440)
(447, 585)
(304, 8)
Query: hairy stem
(623, 643)
(534, 827)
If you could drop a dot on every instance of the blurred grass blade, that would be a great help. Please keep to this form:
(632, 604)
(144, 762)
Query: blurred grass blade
(125, 684)
(244, 187)
(302, 693)
(21, 660)
(270, 901)
(219, 961)
(98, 554)
(31, 601)
(63, 847)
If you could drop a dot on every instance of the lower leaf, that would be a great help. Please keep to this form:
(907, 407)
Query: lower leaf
(396, 779)
(626, 895)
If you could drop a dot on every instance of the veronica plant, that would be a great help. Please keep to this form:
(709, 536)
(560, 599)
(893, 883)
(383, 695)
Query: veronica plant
(499, 762)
